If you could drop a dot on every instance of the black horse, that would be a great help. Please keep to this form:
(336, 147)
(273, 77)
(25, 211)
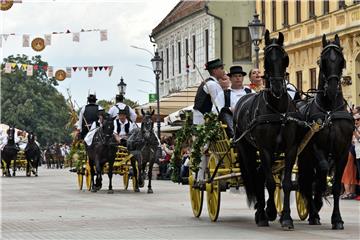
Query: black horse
(144, 141)
(10, 152)
(328, 150)
(264, 122)
(33, 155)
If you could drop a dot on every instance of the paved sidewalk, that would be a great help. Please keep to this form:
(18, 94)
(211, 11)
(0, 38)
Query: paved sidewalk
(51, 207)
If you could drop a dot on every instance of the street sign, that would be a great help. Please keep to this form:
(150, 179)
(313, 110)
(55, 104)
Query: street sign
(152, 97)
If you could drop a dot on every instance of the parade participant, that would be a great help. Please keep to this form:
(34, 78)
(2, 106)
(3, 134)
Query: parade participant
(122, 127)
(291, 89)
(208, 91)
(3, 139)
(225, 82)
(120, 105)
(88, 115)
(256, 81)
(94, 126)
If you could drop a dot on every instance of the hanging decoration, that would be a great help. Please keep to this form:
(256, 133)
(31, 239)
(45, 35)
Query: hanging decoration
(6, 4)
(38, 44)
(60, 75)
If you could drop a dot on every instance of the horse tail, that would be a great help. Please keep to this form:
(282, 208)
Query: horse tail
(247, 160)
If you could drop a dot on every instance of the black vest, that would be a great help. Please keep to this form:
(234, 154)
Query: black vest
(90, 114)
(227, 95)
(203, 101)
(127, 127)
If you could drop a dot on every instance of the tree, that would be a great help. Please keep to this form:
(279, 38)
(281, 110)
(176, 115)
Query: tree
(32, 103)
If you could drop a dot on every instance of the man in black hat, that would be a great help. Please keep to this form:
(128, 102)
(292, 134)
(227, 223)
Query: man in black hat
(88, 115)
(120, 105)
(208, 91)
(122, 127)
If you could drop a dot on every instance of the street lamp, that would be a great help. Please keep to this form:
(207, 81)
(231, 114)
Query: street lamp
(122, 86)
(157, 65)
(256, 29)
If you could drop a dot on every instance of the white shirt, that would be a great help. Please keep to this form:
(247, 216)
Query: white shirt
(290, 89)
(213, 88)
(113, 111)
(81, 116)
(235, 95)
(122, 133)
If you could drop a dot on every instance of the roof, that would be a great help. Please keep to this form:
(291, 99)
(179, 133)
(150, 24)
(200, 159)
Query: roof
(182, 10)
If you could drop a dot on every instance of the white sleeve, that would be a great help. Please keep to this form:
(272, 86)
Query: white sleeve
(113, 111)
(131, 127)
(100, 108)
(291, 90)
(213, 89)
(115, 127)
(133, 115)
(219, 102)
(81, 115)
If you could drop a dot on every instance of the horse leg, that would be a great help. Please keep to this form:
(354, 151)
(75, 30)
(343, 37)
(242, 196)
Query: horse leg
(135, 172)
(151, 163)
(110, 174)
(92, 174)
(14, 167)
(28, 173)
(286, 220)
(98, 172)
(261, 218)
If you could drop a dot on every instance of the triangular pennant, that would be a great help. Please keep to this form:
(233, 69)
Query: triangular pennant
(95, 68)
(106, 68)
(74, 68)
(68, 31)
(110, 70)
(5, 36)
(101, 67)
(85, 68)
(80, 68)
(23, 66)
(45, 67)
(19, 66)
(13, 65)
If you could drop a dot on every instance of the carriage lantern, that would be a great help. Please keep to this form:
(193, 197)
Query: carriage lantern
(157, 67)
(122, 86)
(256, 29)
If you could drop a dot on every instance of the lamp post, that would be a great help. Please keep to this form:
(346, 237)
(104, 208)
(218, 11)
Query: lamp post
(157, 65)
(122, 86)
(256, 29)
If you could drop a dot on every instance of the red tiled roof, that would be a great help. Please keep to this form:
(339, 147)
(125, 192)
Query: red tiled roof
(180, 11)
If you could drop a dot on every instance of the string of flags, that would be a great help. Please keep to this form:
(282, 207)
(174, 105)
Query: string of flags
(60, 74)
(38, 43)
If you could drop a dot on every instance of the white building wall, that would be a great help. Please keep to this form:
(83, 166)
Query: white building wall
(185, 29)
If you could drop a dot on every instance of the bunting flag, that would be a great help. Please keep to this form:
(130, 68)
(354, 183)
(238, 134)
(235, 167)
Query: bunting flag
(76, 37)
(50, 69)
(26, 40)
(47, 38)
(103, 35)
(5, 36)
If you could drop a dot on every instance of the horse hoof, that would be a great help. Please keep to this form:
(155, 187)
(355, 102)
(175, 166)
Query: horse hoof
(287, 225)
(36, 175)
(314, 221)
(93, 190)
(149, 190)
(262, 223)
(137, 190)
(338, 226)
(271, 213)
(110, 191)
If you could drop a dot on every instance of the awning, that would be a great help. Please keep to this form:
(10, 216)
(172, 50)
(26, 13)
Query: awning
(174, 102)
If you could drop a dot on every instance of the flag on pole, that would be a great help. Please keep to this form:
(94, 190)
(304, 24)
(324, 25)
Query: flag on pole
(50, 73)
(76, 37)
(103, 35)
(47, 39)
(26, 40)
(90, 71)
(110, 70)
(68, 72)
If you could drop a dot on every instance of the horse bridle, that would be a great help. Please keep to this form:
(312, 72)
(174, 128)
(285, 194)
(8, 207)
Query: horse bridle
(275, 78)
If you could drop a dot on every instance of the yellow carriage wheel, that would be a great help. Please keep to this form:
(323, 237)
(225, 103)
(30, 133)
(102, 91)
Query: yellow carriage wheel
(301, 206)
(213, 193)
(88, 176)
(126, 180)
(278, 196)
(196, 196)
(80, 178)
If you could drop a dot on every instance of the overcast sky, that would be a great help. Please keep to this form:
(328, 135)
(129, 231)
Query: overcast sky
(128, 23)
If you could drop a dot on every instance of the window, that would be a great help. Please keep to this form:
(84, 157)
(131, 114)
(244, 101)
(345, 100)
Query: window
(342, 4)
(273, 5)
(241, 44)
(313, 78)
(356, 1)
(206, 45)
(311, 9)
(173, 59)
(299, 80)
(298, 11)
(162, 66)
(179, 56)
(193, 47)
(187, 52)
(167, 62)
(286, 13)
(263, 11)
(326, 6)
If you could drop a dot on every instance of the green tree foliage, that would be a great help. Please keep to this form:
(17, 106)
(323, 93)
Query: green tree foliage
(32, 103)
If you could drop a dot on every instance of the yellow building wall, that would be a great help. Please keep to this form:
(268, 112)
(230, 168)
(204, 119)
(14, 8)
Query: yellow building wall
(303, 40)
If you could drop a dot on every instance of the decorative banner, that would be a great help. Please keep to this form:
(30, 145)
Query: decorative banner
(38, 44)
(47, 39)
(90, 71)
(7, 67)
(110, 70)
(50, 72)
(6, 4)
(60, 75)
(6, 36)
(29, 70)
(26, 40)
(76, 37)
(103, 35)
(68, 72)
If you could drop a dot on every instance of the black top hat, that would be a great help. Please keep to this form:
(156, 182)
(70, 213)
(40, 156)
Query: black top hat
(92, 97)
(213, 64)
(236, 70)
(119, 98)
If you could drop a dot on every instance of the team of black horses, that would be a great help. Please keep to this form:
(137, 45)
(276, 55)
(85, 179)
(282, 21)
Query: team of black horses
(271, 123)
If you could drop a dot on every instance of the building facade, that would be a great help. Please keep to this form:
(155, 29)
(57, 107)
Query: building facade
(195, 32)
(303, 23)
